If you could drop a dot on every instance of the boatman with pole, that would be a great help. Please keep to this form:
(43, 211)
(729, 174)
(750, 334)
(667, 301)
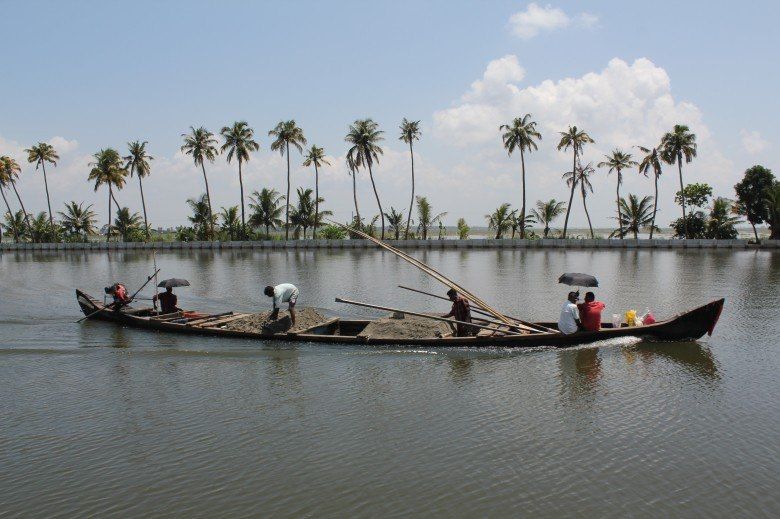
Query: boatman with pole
(461, 311)
(284, 293)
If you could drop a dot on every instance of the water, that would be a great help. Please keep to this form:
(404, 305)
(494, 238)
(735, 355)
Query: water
(100, 420)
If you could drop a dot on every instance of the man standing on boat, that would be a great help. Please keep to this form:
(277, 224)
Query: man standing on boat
(461, 311)
(569, 321)
(284, 293)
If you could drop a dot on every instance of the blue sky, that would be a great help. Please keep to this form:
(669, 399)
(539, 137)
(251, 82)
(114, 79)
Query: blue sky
(87, 75)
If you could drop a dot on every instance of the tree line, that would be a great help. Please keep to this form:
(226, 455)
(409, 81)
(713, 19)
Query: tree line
(757, 194)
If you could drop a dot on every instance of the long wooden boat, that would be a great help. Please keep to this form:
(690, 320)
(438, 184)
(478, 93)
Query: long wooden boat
(686, 326)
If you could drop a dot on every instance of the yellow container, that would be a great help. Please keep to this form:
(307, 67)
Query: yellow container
(631, 318)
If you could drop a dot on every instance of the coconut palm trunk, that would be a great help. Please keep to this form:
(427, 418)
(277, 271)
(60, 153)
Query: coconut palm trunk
(522, 208)
(655, 206)
(354, 194)
(585, 206)
(208, 197)
(24, 211)
(571, 195)
(620, 220)
(10, 213)
(110, 197)
(48, 200)
(376, 194)
(241, 185)
(682, 194)
(316, 201)
(143, 205)
(287, 200)
(411, 203)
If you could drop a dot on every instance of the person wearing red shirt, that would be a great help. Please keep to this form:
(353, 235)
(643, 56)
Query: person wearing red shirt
(590, 313)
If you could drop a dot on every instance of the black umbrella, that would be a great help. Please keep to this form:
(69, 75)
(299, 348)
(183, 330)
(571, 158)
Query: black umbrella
(173, 282)
(578, 280)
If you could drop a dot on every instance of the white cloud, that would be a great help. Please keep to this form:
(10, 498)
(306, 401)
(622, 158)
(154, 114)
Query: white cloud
(63, 145)
(535, 19)
(752, 141)
(622, 105)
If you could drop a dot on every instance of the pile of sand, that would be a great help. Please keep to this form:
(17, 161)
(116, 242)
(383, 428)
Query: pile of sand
(406, 327)
(259, 323)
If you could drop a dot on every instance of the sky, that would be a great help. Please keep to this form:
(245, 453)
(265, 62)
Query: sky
(87, 75)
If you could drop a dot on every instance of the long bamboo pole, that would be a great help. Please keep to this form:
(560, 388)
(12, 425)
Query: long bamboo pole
(482, 312)
(430, 271)
(426, 316)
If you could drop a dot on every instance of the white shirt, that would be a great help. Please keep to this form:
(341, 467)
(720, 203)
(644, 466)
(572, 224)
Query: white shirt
(283, 293)
(566, 322)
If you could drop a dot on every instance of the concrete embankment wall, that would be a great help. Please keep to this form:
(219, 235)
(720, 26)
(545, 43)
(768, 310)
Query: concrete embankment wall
(403, 244)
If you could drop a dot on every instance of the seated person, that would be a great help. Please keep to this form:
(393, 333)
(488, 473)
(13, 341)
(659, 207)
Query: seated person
(167, 300)
(590, 312)
(569, 321)
(118, 292)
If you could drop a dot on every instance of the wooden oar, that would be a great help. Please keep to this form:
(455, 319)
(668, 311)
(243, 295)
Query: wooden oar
(426, 316)
(115, 302)
(430, 271)
(482, 312)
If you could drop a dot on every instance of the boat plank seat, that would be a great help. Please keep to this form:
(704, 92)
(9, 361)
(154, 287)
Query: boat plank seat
(212, 317)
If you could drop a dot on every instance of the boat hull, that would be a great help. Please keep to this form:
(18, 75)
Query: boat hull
(687, 326)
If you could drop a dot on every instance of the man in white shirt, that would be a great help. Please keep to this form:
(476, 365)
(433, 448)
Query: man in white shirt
(569, 321)
(284, 293)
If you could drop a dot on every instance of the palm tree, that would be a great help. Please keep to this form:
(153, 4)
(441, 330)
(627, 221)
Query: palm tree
(618, 161)
(425, 216)
(651, 160)
(634, 214)
(574, 139)
(40, 228)
(126, 223)
(286, 133)
(107, 169)
(316, 156)
(523, 223)
(722, 221)
(583, 179)
(40, 154)
(395, 222)
(200, 143)
(138, 162)
(15, 224)
(305, 214)
(201, 218)
(501, 220)
(521, 136)
(267, 209)
(5, 179)
(353, 174)
(78, 220)
(410, 132)
(546, 212)
(675, 145)
(239, 142)
(364, 135)
(230, 223)
(10, 169)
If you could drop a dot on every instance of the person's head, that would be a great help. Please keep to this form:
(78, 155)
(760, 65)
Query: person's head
(590, 297)
(169, 290)
(269, 291)
(573, 297)
(452, 294)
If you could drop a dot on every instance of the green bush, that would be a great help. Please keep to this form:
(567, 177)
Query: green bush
(332, 232)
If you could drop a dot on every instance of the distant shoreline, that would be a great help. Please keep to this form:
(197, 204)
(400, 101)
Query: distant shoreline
(434, 244)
